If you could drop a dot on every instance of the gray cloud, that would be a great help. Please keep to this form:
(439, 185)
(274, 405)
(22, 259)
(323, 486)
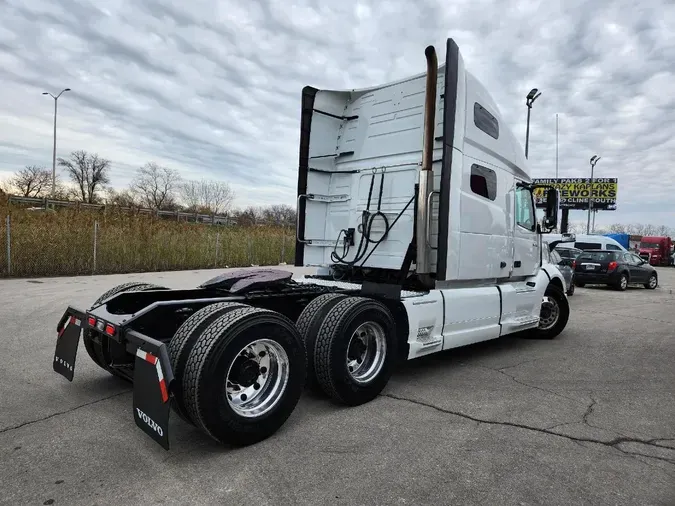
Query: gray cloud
(212, 88)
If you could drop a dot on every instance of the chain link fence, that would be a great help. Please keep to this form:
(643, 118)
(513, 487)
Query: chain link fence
(69, 243)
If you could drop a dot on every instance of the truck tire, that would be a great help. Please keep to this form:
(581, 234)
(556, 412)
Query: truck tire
(244, 375)
(653, 282)
(182, 342)
(308, 325)
(555, 312)
(93, 348)
(355, 350)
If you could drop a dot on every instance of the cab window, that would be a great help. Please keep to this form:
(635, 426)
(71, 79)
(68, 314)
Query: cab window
(525, 216)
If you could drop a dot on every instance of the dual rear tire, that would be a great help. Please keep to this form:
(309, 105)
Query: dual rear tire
(239, 371)
(351, 347)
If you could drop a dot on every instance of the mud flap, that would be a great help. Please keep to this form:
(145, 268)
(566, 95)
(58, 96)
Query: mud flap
(152, 379)
(69, 330)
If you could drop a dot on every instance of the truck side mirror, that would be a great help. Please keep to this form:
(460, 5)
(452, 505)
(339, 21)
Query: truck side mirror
(551, 218)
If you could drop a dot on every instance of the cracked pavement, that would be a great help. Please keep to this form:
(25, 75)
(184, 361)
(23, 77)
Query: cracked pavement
(588, 418)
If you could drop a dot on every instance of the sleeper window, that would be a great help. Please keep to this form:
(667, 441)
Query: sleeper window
(485, 121)
(484, 182)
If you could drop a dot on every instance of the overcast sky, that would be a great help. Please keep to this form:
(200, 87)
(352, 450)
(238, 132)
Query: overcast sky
(212, 87)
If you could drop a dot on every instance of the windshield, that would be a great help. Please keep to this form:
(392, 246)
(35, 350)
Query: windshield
(597, 256)
(649, 245)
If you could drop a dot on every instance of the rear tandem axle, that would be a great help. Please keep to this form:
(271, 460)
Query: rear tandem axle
(233, 356)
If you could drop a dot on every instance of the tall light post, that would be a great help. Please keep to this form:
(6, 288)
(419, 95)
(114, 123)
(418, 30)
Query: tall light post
(594, 160)
(531, 97)
(56, 99)
(556, 145)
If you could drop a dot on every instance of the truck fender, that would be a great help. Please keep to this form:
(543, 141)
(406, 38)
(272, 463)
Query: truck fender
(554, 276)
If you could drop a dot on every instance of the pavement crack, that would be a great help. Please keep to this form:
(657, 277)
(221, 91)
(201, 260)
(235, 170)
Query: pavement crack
(589, 412)
(516, 380)
(74, 408)
(501, 369)
(613, 443)
(559, 425)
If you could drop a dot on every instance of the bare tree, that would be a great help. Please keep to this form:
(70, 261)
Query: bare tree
(663, 230)
(89, 172)
(641, 229)
(190, 195)
(248, 216)
(5, 186)
(278, 214)
(618, 228)
(217, 196)
(156, 186)
(32, 181)
(214, 197)
(576, 228)
(121, 198)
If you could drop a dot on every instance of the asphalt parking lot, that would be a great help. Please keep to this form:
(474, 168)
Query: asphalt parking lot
(588, 418)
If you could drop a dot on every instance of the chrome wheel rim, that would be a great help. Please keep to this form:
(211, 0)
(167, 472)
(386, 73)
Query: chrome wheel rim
(549, 314)
(257, 378)
(652, 282)
(624, 282)
(366, 351)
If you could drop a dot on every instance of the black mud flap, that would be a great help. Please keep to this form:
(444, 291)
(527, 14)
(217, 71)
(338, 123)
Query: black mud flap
(152, 381)
(68, 331)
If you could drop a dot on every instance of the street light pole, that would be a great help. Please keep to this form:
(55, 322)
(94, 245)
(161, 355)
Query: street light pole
(529, 100)
(556, 145)
(594, 160)
(56, 98)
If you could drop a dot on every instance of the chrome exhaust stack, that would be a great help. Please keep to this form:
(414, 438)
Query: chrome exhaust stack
(426, 182)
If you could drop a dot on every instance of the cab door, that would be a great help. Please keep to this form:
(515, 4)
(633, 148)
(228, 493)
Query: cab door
(525, 237)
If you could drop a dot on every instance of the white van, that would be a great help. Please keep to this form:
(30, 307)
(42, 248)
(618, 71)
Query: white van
(590, 241)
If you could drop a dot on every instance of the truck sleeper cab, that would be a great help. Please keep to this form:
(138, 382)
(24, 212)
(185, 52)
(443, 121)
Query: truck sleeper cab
(415, 205)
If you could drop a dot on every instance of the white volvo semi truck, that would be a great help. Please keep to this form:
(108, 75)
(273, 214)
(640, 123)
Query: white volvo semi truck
(415, 203)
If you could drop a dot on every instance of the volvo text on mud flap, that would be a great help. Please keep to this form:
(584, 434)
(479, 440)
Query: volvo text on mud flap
(152, 382)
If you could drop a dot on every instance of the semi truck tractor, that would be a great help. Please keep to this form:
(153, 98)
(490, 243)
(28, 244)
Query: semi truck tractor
(656, 250)
(414, 203)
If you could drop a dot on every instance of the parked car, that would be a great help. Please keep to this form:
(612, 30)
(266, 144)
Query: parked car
(568, 253)
(566, 268)
(617, 269)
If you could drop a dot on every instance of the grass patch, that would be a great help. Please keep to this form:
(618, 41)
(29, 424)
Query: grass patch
(61, 243)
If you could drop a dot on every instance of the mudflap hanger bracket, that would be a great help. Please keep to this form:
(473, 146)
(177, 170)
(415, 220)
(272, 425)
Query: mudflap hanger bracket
(152, 372)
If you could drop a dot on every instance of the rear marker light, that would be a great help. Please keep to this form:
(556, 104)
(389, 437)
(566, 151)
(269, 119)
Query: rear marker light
(110, 330)
(612, 265)
(574, 264)
(92, 321)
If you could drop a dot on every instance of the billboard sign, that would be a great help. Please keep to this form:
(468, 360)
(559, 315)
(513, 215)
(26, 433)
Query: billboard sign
(575, 192)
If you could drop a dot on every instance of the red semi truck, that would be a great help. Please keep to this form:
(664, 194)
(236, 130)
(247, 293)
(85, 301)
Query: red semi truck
(656, 250)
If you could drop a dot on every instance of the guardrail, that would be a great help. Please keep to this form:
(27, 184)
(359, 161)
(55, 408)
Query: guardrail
(45, 203)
